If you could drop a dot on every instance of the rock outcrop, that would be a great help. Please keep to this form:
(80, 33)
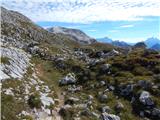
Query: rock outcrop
(106, 116)
(18, 62)
(68, 79)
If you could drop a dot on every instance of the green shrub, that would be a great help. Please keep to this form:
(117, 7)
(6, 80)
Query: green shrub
(67, 114)
(114, 70)
(34, 101)
(157, 78)
(27, 117)
(157, 69)
(141, 71)
(124, 74)
(11, 107)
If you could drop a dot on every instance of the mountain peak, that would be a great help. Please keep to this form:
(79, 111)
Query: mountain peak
(75, 34)
(9, 16)
(152, 41)
(156, 47)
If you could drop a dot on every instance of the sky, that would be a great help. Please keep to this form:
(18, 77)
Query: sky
(124, 20)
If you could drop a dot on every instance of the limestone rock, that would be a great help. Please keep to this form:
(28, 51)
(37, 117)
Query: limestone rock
(145, 98)
(106, 116)
(69, 79)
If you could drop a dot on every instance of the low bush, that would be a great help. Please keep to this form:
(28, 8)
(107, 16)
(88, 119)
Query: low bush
(34, 101)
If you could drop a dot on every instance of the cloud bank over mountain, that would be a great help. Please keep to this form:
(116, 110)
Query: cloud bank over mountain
(85, 11)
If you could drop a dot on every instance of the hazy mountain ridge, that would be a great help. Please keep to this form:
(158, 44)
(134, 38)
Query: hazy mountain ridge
(75, 34)
(114, 42)
(156, 47)
(150, 42)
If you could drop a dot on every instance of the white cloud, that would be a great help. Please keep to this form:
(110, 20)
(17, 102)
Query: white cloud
(84, 11)
(113, 31)
(127, 26)
(133, 40)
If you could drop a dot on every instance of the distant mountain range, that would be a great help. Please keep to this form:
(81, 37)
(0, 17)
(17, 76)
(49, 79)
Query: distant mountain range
(156, 47)
(114, 42)
(153, 43)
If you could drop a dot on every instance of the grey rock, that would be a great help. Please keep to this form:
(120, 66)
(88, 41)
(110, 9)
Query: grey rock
(141, 113)
(18, 60)
(112, 88)
(103, 98)
(105, 109)
(111, 54)
(93, 62)
(145, 98)
(74, 99)
(102, 83)
(106, 116)
(74, 88)
(69, 79)
(90, 97)
(95, 114)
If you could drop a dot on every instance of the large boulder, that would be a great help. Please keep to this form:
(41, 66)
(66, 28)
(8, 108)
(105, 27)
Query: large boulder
(111, 54)
(69, 79)
(106, 116)
(145, 99)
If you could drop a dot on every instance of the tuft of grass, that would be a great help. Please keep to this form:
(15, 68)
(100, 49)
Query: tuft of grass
(5, 60)
(11, 107)
(34, 101)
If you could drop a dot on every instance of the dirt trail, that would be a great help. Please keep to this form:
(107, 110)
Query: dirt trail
(55, 111)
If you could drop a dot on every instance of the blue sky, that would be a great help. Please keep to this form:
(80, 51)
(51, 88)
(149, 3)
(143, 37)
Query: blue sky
(130, 31)
(125, 20)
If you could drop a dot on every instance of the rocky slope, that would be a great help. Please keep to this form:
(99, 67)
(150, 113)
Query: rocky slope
(75, 34)
(47, 76)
